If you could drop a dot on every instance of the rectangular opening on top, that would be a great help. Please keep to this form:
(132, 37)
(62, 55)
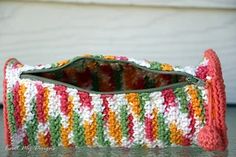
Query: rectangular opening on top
(109, 76)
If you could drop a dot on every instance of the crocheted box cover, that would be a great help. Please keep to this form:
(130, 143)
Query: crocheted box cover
(112, 101)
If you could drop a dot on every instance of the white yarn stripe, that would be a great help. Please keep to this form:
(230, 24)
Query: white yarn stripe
(188, 69)
(140, 62)
(157, 101)
(180, 119)
(96, 102)
(17, 138)
(116, 109)
(29, 97)
(75, 102)
(43, 128)
(53, 103)
(139, 131)
(85, 113)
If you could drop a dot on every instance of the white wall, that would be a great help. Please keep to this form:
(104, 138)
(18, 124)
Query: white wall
(166, 31)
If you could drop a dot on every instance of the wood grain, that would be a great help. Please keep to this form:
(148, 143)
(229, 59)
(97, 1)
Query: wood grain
(46, 32)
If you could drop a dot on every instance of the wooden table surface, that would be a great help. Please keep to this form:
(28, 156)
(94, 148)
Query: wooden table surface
(89, 152)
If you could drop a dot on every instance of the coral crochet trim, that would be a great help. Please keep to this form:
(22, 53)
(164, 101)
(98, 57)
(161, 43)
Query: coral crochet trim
(214, 135)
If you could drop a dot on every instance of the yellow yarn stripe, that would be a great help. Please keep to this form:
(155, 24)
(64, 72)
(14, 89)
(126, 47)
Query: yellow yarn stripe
(42, 140)
(134, 102)
(193, 93)
(176, 135)
(41, 137)
(167, 67)
(114, 127)
(155, 123)
(70, 115)
(110, 57)
(46, 101)
(22, 90)
(62, 62)
(90, 130)
(64, 137)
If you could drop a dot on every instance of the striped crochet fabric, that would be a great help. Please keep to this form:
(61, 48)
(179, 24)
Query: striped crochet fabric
(40, 113)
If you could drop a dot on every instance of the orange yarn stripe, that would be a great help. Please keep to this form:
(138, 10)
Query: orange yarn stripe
(64, 137)
(90, 130)
(110, 57)
(22, 90)
(195, 101)
(65, 131)
(167, 67)
(45, 103)
(133, 100)
(176, 135)
(70, 114)
(62, 62)
(114, 127)
(42, 140)
(155, 124)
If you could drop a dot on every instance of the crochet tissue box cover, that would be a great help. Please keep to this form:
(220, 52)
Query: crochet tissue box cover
(113, 101)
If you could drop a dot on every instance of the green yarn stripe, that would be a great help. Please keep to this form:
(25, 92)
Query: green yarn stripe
(143, 98)
(11, 118)
(98, 56)
(124, 121)
(100, 130)
(55, 126)
(32, 125)
(163, 130)
(155, 66)
(78, 131)
(182, 97)
(200, 98)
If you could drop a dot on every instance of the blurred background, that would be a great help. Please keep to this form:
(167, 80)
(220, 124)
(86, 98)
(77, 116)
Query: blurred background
(176, 32)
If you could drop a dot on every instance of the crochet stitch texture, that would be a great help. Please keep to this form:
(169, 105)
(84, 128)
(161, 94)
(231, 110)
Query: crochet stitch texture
(113, 106)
